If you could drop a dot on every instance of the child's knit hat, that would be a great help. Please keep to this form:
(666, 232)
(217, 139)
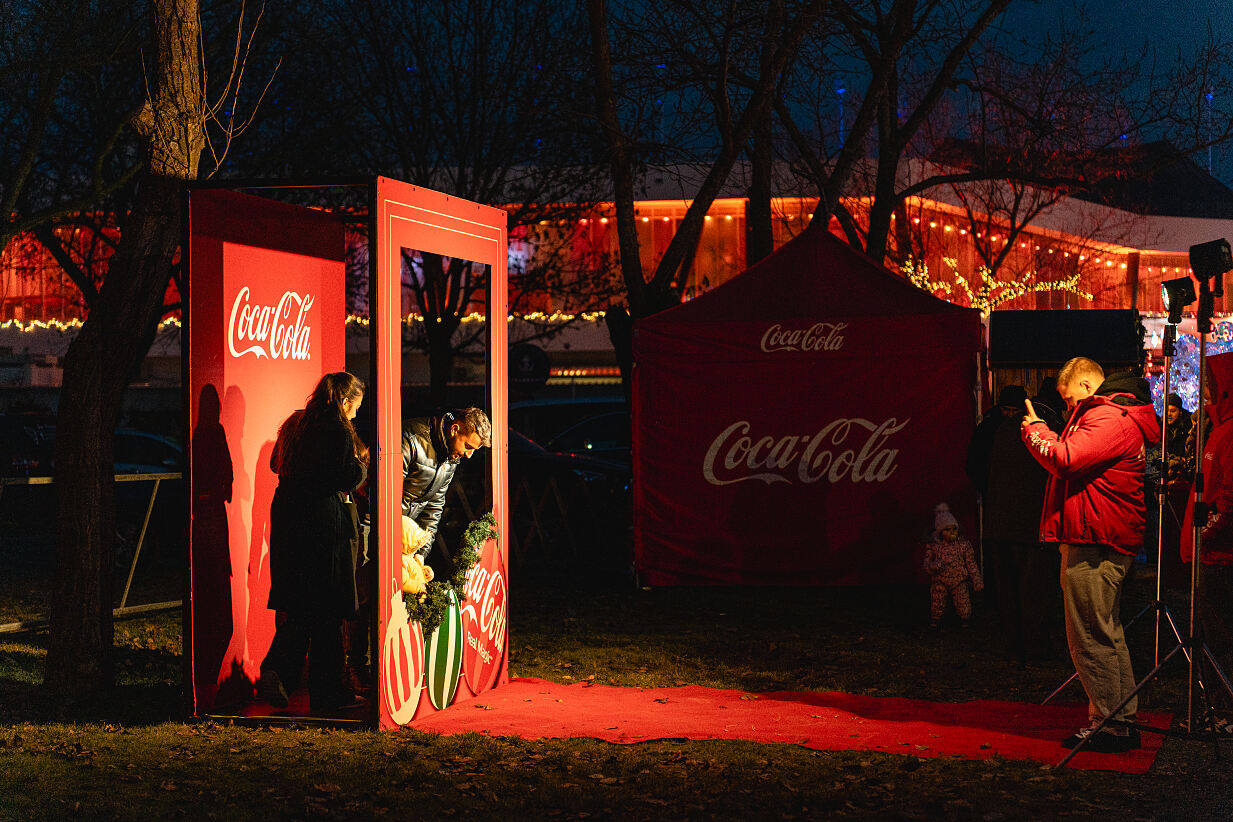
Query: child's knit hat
(942, 518)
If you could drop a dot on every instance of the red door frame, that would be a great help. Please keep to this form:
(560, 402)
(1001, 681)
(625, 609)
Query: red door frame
(407, 216)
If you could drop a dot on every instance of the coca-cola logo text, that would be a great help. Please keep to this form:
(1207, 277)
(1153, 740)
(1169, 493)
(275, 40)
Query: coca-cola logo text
(852, 448)
(275, 331)
(485, 592)
(818, 337)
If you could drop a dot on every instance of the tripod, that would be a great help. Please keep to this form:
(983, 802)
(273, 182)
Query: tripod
(1191, 646)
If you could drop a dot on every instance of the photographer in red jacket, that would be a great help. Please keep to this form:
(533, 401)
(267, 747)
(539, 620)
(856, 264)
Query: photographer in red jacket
(1095, 508)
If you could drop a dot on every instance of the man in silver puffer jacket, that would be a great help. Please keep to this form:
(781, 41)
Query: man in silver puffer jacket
(432, 447)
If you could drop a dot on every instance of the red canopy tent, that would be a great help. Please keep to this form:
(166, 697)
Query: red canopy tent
(798, 424)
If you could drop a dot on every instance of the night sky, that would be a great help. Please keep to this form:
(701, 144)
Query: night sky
(1165, 28)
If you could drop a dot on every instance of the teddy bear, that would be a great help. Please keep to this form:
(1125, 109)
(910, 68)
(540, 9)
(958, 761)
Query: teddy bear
(415, 575)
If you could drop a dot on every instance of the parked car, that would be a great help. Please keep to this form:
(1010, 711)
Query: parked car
(26, 444)
(27, 449)
(569, 512)
(141, 452)
(543, 419)
(604, 436)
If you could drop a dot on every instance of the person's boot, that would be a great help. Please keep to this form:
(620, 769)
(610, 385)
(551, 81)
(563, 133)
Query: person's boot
(270, 689)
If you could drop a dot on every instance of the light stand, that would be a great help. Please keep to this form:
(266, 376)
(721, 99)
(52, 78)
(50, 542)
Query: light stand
(1176, 294)
(1208, 261)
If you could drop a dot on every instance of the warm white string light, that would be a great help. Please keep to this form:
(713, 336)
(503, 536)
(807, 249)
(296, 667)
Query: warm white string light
(477, 317)
(991, 292)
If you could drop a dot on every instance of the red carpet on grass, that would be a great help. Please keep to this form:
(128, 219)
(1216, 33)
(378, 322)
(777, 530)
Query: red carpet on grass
(535, 708)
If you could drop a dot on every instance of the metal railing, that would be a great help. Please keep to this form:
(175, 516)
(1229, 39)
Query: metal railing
(124, 608)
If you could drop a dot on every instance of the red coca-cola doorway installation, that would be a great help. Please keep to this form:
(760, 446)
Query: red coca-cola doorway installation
(797, 425)
(264, 320)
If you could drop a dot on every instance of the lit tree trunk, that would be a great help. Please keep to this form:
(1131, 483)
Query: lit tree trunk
(105, 355)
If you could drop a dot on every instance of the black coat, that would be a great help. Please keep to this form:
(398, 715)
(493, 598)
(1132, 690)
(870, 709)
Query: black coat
(1015, 492)
(313, 533)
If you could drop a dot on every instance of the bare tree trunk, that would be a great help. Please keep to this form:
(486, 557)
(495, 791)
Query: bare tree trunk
(761, 230)
(440, 359)
(884, 189)
(663, 290)
(107, 352)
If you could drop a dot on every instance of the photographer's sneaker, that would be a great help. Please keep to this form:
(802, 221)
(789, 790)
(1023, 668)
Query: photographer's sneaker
(1103, 741)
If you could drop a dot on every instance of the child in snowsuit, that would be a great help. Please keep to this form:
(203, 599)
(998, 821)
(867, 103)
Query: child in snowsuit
(951, 565)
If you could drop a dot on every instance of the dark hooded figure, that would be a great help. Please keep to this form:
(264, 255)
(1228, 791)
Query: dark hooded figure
(1022, 574)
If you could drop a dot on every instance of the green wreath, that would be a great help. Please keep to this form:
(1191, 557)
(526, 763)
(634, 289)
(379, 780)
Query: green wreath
(428, 608)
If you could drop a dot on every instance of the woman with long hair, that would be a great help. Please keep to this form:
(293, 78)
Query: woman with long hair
(314, 541)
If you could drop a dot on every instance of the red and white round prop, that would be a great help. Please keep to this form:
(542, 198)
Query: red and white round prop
(402, 662)
(484, 620)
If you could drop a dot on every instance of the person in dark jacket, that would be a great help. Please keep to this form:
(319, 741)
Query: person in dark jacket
(1023, 573)
(314, 541)
(1095, 509)
(432, 447)
(1178, 425)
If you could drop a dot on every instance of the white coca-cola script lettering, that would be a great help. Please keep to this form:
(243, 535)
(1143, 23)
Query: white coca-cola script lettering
(818, 337)
(836, 452)
(276, 331)
(486, 590)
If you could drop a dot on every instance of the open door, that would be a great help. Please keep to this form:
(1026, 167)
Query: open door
(408, 221)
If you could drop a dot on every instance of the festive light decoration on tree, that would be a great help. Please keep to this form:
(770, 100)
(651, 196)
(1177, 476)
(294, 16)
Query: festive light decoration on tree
(990, 292)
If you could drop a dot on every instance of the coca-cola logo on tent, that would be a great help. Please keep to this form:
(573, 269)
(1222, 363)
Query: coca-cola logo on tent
(851, 448)
(279, 331)
(817, 337)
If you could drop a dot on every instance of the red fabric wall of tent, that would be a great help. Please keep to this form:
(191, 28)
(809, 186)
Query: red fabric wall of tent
(798, 424)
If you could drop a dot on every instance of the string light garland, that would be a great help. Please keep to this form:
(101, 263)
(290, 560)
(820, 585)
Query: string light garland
(990, 292)
(477, 317)
(27, 326)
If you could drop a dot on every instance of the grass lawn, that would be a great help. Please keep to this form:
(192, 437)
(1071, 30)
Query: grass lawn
(136, 758)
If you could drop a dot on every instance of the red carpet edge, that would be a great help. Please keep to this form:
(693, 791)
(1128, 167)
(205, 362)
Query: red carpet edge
(538, 709)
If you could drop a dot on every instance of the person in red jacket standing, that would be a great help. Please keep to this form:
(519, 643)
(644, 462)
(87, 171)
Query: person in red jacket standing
(1217, 534)
(1095, 509)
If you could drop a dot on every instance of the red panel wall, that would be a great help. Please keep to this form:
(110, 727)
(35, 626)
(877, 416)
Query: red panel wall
(266, 319)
